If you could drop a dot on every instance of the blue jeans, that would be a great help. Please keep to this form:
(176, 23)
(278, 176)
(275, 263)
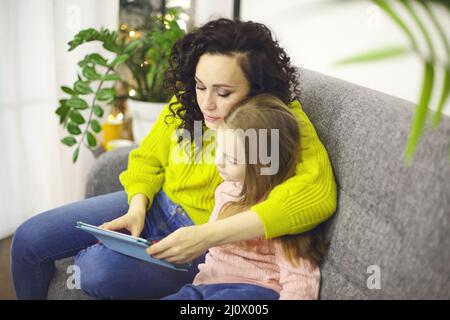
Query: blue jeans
(223, 291)
(104, 274)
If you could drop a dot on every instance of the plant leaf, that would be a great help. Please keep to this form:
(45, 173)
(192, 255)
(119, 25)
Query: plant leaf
(108, 38)
(95, 125)
(85, 62)
(111, 46)
(98, 111)
(69, 141)
(73, 128)
(132, 45)
(111, 77)
(82, 87)
(151, 77)
(77, 103)
(98, 59)
(386, 7)
(75, 154)
(375, 55)
(420, 115)
(68, 90)
(412, 12)
(106, 94)
(90, 73)
(83, 36)
(76, 117)
(120, 59)
(63, 109)
(91, 139)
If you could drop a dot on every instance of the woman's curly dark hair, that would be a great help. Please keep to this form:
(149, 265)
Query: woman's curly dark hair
(265, 64)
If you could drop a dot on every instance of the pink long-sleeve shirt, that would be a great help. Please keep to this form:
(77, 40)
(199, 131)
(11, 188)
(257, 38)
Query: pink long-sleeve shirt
(264, 265)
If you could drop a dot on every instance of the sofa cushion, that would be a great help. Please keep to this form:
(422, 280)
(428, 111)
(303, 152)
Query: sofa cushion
(389, 215)
(58, 286)
(103, 177)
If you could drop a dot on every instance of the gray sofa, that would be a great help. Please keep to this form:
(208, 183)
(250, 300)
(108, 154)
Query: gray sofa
(392, 221)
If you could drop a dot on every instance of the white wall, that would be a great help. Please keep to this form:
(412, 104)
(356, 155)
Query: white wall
(206, 10)
(317, 33)
(71, 16)
(37, 170)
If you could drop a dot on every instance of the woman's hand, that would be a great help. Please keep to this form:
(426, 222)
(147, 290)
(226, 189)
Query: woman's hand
(183, 245)
(188, 243)
(133, 221)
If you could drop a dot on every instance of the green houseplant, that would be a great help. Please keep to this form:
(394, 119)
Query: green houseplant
(147, 59)
(430, 60)
(146, 97)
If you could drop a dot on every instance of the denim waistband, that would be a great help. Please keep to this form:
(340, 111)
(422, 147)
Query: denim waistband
(171, 209)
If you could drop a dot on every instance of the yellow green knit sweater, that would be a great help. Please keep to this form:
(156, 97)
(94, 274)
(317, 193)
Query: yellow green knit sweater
(297, 205)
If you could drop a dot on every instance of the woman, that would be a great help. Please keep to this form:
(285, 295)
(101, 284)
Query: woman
(211, 71)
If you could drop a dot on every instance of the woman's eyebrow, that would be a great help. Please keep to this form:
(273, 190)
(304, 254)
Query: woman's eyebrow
(215, 85)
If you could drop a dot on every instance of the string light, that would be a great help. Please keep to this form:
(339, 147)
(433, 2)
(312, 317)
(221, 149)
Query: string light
(115, 118)
(132, 92)
(132, 33)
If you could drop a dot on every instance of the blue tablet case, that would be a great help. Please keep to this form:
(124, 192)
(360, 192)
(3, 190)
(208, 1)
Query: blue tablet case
(128, 245)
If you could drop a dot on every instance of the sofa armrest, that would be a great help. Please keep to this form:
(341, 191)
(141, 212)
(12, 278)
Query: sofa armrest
(103, 177)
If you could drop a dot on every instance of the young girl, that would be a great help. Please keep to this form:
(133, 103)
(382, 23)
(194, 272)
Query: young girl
(282, 268)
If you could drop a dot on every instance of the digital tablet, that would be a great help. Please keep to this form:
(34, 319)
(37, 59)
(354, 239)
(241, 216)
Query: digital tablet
(128, 245)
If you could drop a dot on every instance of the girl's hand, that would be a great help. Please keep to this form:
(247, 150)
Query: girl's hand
(183, 245)
(133, 221)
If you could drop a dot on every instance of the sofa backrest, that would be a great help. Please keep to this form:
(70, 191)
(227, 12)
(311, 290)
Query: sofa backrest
(390, 218)
(103, 177)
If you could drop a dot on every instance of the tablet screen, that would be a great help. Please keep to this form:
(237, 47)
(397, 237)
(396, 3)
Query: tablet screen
(128, 245)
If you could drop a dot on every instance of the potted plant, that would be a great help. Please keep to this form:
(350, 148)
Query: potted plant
(432, 62)
(148, 66)
(145, 56)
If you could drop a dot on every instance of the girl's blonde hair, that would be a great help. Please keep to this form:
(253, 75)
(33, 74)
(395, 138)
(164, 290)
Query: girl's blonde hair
(265, 111)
